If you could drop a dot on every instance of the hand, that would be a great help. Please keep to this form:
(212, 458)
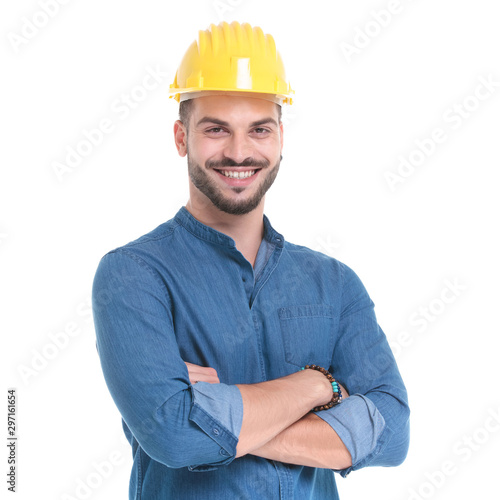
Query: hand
(345, 394)
(199, 373)
(324, 385)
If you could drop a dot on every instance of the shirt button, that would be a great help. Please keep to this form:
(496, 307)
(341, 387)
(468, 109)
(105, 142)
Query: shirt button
(244, 279)
(215, 431)
(224, 452)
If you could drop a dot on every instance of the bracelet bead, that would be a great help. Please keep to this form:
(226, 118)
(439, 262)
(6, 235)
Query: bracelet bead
(337, 393)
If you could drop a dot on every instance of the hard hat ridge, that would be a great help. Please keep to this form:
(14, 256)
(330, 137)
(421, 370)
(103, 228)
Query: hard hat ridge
(232, 58)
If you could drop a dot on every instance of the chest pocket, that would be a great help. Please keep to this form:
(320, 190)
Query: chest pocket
(308, 334)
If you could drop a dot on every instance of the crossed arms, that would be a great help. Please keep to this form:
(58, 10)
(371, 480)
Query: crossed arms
(276, 421)
(209, 424)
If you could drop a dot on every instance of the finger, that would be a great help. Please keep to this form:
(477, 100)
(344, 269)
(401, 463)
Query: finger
(199, 373)
(345, 394)
(200, 370)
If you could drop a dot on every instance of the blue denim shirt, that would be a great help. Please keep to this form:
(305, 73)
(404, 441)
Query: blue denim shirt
(183, 292)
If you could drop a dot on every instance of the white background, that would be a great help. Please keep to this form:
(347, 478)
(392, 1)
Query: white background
(353, 117)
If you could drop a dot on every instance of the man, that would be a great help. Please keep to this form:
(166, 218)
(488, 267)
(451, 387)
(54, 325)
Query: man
(206, 324)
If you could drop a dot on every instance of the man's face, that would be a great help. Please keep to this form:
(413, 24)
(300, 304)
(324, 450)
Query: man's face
(233, 149)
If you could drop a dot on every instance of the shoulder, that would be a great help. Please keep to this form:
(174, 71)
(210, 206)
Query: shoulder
(307, 256)
(156, 237)
(322, 266)
(139, 255)
(148, 245)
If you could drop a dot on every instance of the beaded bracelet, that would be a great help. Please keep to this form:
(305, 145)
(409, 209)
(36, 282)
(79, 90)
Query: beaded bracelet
(337, 393)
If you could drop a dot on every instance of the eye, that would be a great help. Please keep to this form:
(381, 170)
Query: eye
(215, 131)
(261, 130)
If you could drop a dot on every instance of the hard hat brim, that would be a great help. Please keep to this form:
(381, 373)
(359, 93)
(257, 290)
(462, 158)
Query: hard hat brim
(184, 96)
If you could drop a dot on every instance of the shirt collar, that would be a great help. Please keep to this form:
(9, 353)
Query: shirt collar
(207, 233)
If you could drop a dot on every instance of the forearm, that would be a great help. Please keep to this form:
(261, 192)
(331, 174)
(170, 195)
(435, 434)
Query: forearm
(271, 407)
(311, 442)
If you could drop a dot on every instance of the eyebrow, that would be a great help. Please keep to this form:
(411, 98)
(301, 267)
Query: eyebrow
(217, 121)
(264, 121)
(209, 119)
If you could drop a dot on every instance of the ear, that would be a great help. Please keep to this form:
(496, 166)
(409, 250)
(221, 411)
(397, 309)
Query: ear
(180, 137)
(281, 137)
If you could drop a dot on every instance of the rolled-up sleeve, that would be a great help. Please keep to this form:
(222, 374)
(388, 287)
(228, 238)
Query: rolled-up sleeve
(176, 423)
(373, 422)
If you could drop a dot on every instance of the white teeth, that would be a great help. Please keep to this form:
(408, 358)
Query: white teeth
(238, 175)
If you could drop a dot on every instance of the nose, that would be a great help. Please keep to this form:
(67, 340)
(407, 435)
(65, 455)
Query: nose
(238, 147)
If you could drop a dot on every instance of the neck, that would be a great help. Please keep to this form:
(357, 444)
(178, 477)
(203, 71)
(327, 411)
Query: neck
(246, 230)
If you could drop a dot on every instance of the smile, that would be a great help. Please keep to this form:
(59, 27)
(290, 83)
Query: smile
(237, 174)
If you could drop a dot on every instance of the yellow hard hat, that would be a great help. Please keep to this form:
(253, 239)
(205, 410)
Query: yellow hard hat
(232, 58)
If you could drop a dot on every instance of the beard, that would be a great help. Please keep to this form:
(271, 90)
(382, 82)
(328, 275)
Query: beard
(209, 188)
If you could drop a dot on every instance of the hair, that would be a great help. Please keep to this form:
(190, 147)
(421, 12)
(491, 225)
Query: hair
(186, 108)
